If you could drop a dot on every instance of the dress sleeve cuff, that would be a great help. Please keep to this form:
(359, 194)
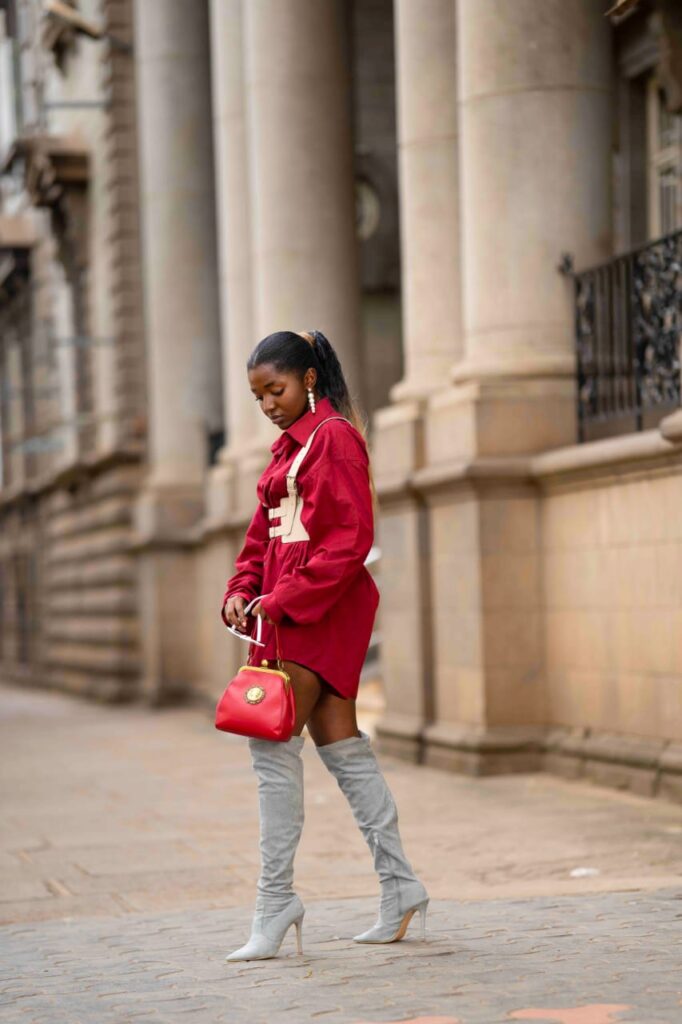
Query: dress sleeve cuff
(272, 608)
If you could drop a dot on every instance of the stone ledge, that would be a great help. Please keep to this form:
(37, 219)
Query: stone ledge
(671, 427)
(394, 488)
(647, 767)
(220, 526)
(440, 476)
(88, 469)
(484, 468)
(628, 452)
(601, 455)
(640, 765)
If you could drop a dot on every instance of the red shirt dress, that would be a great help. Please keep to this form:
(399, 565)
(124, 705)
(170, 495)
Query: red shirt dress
(319, 592)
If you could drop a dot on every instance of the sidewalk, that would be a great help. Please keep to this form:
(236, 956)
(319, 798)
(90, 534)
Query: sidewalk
(129, 858)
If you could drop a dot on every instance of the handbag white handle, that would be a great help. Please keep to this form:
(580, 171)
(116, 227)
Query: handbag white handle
(259, 625)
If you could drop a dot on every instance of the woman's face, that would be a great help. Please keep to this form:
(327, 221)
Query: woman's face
(281, 395)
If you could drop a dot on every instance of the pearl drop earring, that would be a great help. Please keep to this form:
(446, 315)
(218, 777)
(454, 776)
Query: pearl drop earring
(311, 400)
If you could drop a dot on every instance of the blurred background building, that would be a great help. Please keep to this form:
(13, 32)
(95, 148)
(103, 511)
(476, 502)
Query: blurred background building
(480, 203)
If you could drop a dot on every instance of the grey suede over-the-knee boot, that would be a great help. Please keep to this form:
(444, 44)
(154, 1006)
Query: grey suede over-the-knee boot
(361, 780)
(279, 770)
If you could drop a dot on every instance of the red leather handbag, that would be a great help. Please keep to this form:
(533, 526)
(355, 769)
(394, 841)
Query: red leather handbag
(259, 701)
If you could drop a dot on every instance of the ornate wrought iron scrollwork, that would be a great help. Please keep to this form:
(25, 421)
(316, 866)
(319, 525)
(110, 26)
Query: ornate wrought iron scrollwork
(628, 325)
(585, 340)
(657, 320)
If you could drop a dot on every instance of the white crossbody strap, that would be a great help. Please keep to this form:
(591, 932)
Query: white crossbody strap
(296, 464)
(290, 528)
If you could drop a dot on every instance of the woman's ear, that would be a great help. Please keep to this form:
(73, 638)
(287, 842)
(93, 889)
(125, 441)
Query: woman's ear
(310, 378)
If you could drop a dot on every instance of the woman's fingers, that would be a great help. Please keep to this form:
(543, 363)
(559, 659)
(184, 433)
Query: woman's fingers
(241, 617)
(235, 612)
(259, 610)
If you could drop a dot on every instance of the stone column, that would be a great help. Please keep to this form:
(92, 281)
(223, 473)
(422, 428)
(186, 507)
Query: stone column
(535, 162)
(182, 325)
(429, 193)
(230, 486)
(305, 258)
(179, 247)
(234, 217)
(429, 230)
(535, 143)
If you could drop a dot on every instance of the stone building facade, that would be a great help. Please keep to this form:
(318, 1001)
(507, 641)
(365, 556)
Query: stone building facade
(480, 203)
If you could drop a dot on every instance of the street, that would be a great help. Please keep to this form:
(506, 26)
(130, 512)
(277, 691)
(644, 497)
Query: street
(129, 859)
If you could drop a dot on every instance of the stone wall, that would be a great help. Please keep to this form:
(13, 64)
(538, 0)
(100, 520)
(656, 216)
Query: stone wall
(548, 630)
(611, 541)
(88, 597)
(72, 468)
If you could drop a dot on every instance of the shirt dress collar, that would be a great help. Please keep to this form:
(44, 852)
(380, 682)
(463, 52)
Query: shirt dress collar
(301, 429)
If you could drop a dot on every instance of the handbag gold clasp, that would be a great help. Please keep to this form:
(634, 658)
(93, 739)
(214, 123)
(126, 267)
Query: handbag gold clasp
(270, 671)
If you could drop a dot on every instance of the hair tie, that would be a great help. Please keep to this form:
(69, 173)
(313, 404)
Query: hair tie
(307, 336)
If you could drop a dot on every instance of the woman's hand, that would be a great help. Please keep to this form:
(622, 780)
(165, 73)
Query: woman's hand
(234, 612)
(259, 610)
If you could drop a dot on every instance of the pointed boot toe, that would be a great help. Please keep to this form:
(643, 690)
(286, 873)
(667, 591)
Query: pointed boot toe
(267, 935)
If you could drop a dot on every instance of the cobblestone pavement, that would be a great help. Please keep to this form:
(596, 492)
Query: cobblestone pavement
(483, 962)
(129, 856)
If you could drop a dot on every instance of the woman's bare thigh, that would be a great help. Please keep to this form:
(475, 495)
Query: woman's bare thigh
(328, 717)
(307, 689)
(332, 718)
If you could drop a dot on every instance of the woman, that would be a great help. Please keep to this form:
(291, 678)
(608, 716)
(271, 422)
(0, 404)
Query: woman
(314, 585)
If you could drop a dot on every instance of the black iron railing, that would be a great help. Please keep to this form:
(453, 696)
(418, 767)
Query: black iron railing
(628, 317)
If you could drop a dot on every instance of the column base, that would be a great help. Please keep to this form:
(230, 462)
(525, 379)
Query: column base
(529, 367)
(231, 487)
(412, 389)
(164, 515)
(166, 521)
(398, 446)
(500, 418)
(404, 610)
(400, 735)
(484, 750)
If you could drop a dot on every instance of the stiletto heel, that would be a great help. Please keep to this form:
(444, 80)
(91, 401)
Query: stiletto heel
(422, 911)
(299, 936)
